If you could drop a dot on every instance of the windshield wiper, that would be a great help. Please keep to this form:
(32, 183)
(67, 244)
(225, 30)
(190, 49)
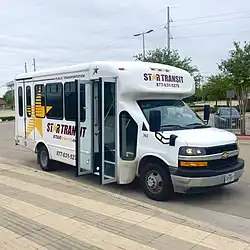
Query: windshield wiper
(172, 125)
(198, 125)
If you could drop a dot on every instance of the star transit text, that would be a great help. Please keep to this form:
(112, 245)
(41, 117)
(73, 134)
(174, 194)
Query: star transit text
(63, 129)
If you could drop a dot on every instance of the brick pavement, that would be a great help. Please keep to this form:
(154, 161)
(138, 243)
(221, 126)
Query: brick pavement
(40, 210)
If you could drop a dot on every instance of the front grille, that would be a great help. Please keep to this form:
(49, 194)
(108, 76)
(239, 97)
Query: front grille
(222, 163)
(221, 149)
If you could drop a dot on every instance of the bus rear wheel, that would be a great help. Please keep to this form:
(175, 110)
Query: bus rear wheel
(156, 182)
(43, 159)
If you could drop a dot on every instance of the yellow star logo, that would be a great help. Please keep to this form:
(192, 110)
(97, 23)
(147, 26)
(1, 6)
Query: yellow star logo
(37, 114)
(153, 77)
(54, 128)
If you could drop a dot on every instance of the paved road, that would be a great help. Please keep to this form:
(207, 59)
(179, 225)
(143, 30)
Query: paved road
(44, 211)
(228, 207)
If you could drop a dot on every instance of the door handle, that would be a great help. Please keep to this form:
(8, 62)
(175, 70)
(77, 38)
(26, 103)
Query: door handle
(96, 111)
(97, 133)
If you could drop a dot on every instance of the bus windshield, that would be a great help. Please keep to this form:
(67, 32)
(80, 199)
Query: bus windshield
(175, 114)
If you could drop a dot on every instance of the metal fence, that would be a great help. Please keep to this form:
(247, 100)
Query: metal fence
(227, 123)
(230, 124)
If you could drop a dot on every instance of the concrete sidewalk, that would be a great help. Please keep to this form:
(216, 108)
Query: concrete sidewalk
(43, 211)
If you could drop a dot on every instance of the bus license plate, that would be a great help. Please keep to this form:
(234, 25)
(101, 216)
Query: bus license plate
(229, 177)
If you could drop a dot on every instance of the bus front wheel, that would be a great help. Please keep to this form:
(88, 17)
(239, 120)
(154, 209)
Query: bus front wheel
(43, 159)
(156, 182)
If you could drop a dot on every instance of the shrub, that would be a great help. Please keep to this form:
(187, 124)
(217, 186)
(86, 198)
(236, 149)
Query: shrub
(7, 118)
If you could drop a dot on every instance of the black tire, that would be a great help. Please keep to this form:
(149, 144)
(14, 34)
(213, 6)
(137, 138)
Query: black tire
(151, 171)
(43, 159)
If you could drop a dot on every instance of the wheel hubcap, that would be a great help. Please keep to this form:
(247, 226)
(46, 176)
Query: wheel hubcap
(154, 182)
(44, 158)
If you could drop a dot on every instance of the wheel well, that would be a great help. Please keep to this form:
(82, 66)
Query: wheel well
(151, 159)
(39, 145)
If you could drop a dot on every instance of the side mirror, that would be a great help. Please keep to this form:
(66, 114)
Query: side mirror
(172, 139)
(206, 112)
(155, 120)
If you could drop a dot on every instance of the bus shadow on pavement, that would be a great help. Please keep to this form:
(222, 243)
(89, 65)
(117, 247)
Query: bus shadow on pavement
(214, 194)
(134, 191)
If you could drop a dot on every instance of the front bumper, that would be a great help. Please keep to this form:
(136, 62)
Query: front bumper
(200, 180)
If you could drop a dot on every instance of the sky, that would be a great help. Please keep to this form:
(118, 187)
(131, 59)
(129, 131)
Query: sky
(59, 32)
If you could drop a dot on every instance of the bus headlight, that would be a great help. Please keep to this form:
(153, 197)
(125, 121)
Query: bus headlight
(191, 151)
(238, 145)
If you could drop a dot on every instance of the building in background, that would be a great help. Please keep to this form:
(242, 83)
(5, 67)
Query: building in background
(2, 103)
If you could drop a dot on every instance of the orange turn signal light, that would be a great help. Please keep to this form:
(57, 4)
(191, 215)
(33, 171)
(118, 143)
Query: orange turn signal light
(193, 164)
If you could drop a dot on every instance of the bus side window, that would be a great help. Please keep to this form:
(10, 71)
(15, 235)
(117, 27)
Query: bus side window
(128, 136)
(70, 102)
(40, 101)
(54, 101)
(82, 103)
(20, 101)
(28, 101)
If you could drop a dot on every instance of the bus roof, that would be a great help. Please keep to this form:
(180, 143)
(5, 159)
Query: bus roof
(136, 78)
(111, 65)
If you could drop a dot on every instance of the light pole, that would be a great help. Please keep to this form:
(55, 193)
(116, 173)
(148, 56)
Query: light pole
(143, 41)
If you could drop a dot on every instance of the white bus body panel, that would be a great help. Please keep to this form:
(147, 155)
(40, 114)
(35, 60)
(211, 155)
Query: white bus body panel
(56, 135)
(135, 81)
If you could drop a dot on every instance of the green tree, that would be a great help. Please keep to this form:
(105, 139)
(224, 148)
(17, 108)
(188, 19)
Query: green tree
(200, 94)
(171, 58)
(216, 87)
(9, 98)
(237, 69)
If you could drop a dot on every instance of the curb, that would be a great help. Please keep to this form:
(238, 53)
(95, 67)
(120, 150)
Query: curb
(216, 229)
(243, 137)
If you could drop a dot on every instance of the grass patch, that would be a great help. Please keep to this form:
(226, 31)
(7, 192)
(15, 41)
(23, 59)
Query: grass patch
(7, 118)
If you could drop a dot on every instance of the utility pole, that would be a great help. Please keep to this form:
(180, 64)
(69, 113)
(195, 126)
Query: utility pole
(143, 46)
(25, 67)
(34, 64)
(167, 27)
(143, 42)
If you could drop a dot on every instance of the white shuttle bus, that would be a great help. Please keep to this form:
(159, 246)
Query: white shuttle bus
(122, 120)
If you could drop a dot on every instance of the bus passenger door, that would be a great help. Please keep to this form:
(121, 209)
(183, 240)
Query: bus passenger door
(21, 115)
(29, 105)
(107, 129)
(84, 145)
(25, 121)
